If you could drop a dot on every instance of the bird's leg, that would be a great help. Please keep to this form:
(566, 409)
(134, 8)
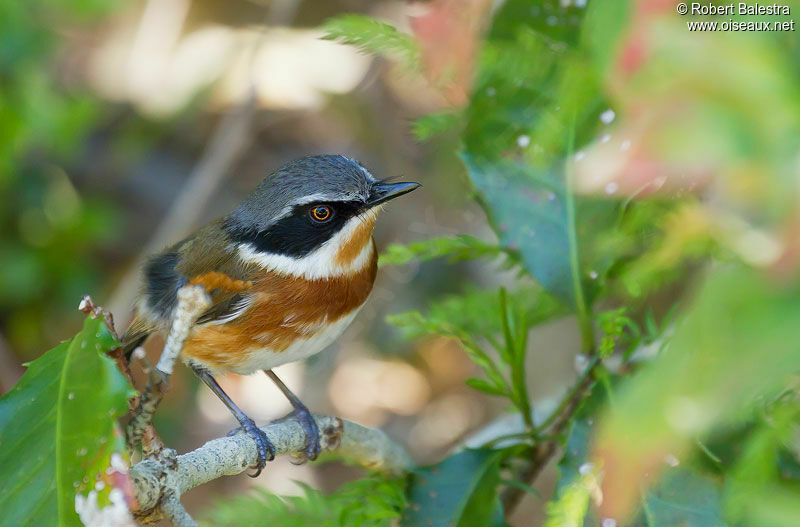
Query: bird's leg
(266, 450)
(311, 447)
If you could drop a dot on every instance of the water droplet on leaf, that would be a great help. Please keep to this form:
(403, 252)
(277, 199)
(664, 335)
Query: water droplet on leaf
(607, 117)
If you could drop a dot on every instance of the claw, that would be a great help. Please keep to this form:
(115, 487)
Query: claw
(311, 447)
(266, 450)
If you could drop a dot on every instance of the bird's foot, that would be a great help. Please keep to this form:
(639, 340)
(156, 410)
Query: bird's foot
(266, 450)
(311, 447)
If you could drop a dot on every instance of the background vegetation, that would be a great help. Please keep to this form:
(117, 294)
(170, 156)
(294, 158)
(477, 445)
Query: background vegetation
(602, 273)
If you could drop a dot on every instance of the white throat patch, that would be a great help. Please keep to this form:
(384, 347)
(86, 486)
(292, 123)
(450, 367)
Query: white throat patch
(318, 264)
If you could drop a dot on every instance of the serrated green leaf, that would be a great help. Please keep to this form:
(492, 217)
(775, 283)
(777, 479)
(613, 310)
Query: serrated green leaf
(58, 429)
(460, 491)
(476, 312)
(536, 215)
(372, 36)
(537, 101)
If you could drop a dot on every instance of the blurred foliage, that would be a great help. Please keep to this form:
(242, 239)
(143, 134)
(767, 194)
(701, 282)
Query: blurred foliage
(457, 248)
(58, 430)
(372, 37)
(683, 497)
(476, 313)
(431, 125)
(49, 231)
(498, 319)
(521, 124)
(373, 500)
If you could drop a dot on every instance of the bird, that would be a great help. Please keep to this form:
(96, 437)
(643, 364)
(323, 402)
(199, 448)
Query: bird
(287, 271)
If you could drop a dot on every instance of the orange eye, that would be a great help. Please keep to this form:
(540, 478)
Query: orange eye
(321, 213)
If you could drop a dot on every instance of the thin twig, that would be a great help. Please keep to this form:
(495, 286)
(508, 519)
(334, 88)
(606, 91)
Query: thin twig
(174, 510)
(545, 449)
(574, 392)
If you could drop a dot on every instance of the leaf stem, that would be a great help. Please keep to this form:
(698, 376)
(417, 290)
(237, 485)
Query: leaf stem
(546, 448)
(577, 389)
(584, 317)
(519, 379)
(509, 339)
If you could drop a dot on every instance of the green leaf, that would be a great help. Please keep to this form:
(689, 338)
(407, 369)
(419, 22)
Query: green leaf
(571, 507)
(773, 505)
(683, 498)
(58, 429)
(460, 491)
(457, 248)
(613, 324)
(372, 36)
(485, 386)
(763, 483)
(576, 447)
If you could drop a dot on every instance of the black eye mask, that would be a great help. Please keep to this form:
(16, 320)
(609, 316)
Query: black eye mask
(297, 234)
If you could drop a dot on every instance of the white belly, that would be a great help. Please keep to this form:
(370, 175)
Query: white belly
(266, 359)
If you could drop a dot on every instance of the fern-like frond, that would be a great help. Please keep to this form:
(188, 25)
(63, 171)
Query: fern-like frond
(374, 500)
(455, 248)
(374, 37)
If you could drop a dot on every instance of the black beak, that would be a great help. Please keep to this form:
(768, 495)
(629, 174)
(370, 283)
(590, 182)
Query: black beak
(383, 192)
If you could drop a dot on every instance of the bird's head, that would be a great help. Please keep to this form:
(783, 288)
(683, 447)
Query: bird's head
(313, 217)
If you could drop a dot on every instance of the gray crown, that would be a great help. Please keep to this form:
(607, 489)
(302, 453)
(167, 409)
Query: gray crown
(312, 178)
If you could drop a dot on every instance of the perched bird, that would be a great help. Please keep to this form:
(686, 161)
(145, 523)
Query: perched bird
(287, 271)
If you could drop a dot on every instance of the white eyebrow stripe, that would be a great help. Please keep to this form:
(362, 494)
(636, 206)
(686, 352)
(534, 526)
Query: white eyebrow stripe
(311, 198)
(302, 201)
(319, 196)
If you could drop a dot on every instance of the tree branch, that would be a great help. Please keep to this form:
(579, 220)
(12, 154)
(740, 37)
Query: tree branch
(158, 482)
